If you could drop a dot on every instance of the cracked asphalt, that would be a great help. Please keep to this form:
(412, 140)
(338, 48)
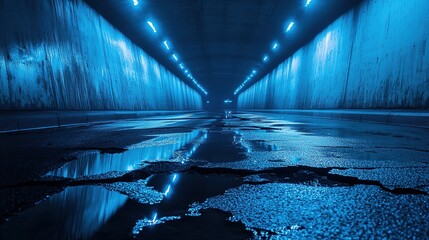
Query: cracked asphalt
(231, 175)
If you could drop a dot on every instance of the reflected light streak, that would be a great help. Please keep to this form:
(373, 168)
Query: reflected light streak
(290, 26)
(275, 46)
(151, 26)
(168, 190)
(166, 45)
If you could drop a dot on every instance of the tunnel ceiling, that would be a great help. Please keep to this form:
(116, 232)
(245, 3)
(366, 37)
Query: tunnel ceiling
(221, 41)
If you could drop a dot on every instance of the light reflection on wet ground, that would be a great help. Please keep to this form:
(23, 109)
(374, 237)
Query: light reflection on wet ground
(276, 177)
(220, 146)
(76, 213)
(161, 148)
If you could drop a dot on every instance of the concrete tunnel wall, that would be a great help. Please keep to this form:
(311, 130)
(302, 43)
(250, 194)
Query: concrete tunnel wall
(375, 56)
(62, 55)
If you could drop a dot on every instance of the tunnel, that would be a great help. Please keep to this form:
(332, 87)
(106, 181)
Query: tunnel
(214, 119)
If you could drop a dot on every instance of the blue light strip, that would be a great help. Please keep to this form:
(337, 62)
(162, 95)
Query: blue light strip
(174, 55)
(290, 26)
(265, 59)
(166, 45)
(275, 45)
(151, 26)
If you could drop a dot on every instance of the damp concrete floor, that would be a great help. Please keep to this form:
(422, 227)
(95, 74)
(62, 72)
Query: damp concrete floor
(229, 175)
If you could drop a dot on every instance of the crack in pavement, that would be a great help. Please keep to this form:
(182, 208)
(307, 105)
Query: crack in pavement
(292, 174)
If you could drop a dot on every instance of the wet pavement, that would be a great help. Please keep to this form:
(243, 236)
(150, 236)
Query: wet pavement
(216, 175)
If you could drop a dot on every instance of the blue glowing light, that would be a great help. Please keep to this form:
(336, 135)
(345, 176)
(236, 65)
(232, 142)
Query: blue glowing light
(307, 3)
(275, 46)
(154, 217)
(135, 2)
(151, 26)
(227, 101)
(290, 26)
(174, 177)
(168, 190)
(166, 45)
(189, 75)
(175, 57)
(249, 77)
(265, 58)
(197, 84)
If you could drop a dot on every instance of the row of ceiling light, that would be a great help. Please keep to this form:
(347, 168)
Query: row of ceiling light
(174, 56)
(266, 57)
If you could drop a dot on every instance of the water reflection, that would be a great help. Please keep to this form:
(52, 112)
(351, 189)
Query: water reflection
(238, 140)
(254, 145)
(264, 146)
(140, 224)
(186, 188)
(75, 213)
(220, 146)
(169, 181)
(228, 114)
(160, 148)
(193, 148)
(227, 148)
(79, 212)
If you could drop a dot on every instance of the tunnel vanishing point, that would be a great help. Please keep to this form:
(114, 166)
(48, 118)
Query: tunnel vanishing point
(214, 119)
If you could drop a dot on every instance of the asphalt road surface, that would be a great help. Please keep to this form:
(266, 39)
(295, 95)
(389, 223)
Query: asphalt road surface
(231, 175)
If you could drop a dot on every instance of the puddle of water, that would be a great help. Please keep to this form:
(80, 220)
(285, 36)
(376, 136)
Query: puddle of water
(160, 148)
(94, 212)
(228, 114)
(75, 213)
(221, 146)
(261, 145)
(181, 190)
